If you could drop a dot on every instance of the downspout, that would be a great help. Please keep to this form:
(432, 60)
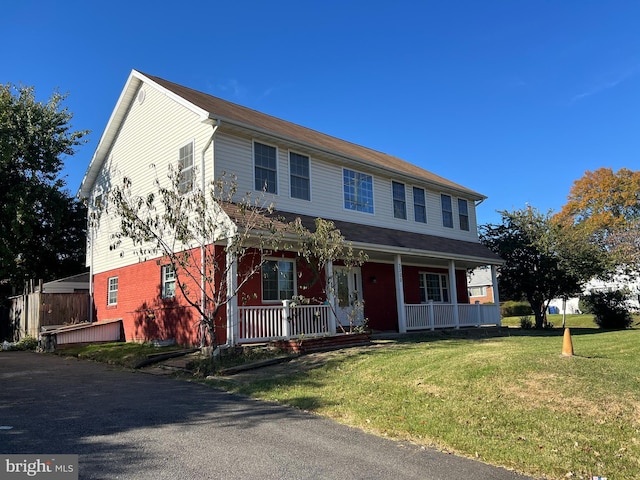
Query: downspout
(91, 246)
(202, 246)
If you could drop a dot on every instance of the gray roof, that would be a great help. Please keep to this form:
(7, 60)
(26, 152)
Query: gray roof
(417, 243)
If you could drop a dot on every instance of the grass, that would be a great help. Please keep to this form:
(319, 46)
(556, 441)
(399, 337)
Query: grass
(122, 354)
(511, 401)
(572, 321)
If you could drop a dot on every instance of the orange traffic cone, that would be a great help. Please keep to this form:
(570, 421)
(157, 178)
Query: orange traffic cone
(567, 345)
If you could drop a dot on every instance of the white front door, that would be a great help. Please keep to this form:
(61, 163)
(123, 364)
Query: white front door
(348, 294)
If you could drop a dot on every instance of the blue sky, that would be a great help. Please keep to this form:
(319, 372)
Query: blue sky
(515, 99)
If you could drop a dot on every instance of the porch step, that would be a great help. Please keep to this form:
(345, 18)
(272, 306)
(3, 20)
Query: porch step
(320, 344)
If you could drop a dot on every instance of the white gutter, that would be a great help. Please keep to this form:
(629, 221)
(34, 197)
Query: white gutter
(202, 246)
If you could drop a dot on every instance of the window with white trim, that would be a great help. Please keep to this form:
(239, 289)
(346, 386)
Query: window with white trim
(168, 281)
(419, 205)
(358, 191)
(399, 200)
(434, 287)
(185, 169)
(463, 214)
(447, 211)
(265, 167)
(477, 291)
(299, 176)
(112, 291)
(278, 280)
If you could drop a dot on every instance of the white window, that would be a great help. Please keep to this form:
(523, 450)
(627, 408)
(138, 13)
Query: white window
(299, 176)
(358, 191)
(419, 205)
(185, 169)
(112, 291)
(399, 200)
(477, 291)
(265, 165)
(168, 279)
(278, 280)
(434, 287)
(463, 213)
(447, 211)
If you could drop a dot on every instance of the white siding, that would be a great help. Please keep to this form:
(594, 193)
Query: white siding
(234, 153)
(154, 130)
(146, 145)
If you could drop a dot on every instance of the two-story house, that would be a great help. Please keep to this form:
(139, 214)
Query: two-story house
(418, 229)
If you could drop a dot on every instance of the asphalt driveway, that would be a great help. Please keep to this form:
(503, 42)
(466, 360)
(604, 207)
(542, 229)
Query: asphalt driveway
(133, 425)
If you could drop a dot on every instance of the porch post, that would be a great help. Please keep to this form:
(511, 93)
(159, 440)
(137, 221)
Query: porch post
(454, 293)
(496, 296)
(286, 316)
(331, 297)
(402, 317)
(232, 304)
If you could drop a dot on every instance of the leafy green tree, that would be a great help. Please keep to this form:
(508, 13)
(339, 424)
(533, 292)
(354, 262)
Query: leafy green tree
(543, 259)
(43, 226)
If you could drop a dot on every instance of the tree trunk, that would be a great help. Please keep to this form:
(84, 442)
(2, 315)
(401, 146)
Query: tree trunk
(538, 310)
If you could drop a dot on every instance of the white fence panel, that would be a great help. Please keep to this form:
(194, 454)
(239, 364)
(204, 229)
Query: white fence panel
(309, 320)
(260, 324)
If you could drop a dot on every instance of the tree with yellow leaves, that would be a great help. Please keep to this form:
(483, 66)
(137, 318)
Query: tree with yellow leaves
(606, 206)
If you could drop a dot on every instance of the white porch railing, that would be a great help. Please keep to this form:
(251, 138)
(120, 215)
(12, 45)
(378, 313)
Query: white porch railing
(441, 315)
(264, 323)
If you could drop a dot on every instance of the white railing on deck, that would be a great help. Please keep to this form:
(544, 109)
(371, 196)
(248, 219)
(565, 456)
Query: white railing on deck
(441, 315)
(309, 320)
(264, 323)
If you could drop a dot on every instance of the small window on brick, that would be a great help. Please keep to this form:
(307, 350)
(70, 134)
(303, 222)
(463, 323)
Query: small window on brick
(168, 281)
(112, 291)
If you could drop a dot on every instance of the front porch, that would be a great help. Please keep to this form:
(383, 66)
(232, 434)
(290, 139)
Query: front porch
(290, 321)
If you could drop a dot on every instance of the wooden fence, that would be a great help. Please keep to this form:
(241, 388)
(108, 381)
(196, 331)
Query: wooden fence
(29, 312)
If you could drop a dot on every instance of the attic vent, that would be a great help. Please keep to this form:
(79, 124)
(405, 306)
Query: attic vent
(141, 95)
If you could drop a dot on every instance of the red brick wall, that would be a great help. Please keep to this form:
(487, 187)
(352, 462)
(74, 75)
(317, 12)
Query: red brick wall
(147, 316)
(144, 313)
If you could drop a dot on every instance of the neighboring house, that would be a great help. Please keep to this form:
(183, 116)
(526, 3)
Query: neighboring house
(618, 282)
(418, 229)
(480, 285)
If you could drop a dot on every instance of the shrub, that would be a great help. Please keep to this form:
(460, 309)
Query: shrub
(609, 309)
(26, 343)
(515, 309)
(525, 322)
(584, 305)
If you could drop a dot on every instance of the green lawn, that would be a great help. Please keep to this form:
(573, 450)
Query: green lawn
(123, 354)
(511, 400)
(572, 321)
